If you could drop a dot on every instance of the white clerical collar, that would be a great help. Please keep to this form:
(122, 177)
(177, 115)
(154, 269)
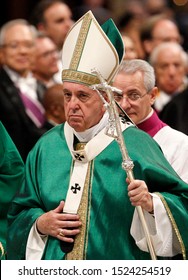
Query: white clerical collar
(93, 147)
(88, 134)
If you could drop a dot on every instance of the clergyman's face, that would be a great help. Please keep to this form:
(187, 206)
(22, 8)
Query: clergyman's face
(133, 85)
(83, 106)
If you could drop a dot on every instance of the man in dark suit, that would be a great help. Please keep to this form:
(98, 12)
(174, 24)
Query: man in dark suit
(21, 111)
(175, 113)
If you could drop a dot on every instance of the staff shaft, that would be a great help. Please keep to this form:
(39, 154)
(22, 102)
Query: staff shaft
(127, 163)
(128, 168)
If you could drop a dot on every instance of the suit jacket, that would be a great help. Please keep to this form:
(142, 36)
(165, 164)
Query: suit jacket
(175, 113)
(47, 125)
(20, 127)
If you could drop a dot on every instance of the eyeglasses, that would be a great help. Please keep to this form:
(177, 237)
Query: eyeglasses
(15, 45)
(133, 96)
(49, 54)
(178, 40)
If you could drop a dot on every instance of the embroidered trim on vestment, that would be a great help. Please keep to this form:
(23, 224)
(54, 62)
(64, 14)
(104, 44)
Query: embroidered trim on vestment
(80, 243)
(174, 225)
(2, 250)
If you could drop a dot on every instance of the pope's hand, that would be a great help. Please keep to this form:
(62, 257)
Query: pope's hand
(58, 224)
(139, 194)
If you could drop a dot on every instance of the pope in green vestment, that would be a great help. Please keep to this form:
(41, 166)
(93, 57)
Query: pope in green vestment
(11, 177)
(90, 178)
(108, 213)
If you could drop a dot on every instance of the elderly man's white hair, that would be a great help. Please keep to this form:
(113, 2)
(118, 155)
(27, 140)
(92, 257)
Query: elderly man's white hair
(12, 23)
(153, 59)
(134, 65)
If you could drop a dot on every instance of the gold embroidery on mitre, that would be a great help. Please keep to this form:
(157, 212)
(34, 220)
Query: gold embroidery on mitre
(80, 243)
(80, 77)
(80, 42)
(174, 225)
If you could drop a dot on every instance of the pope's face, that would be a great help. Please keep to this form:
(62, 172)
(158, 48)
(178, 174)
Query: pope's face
(83, 106)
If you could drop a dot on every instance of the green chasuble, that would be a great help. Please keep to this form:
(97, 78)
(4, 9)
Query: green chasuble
(107, 210)
(11, 177)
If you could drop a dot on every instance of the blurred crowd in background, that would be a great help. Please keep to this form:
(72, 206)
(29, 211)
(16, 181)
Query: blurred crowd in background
(31, 40)
(32, 34)
(11, 9)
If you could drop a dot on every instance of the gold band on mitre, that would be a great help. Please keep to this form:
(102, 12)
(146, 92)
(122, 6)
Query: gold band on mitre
(79, 77)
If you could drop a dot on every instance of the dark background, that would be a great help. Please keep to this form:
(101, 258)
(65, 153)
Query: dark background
(11, 9)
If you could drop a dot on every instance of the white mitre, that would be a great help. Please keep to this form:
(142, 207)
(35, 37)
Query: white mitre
(90, 46)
